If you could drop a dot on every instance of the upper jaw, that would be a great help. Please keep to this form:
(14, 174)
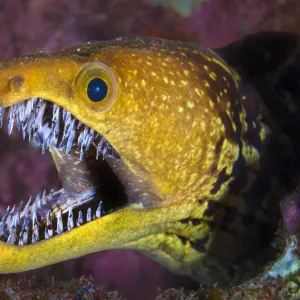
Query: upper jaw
(55, 127)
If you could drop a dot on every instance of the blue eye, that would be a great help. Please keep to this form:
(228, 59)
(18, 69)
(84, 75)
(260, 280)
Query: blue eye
(97, 90)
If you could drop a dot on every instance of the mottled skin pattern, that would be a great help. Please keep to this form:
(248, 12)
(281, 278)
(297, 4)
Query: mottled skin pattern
(208, 149)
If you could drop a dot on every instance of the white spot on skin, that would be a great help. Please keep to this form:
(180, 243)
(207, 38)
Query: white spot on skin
(186, 73)
(190, 104)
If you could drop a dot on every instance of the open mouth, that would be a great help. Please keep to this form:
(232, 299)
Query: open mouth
(90, 188)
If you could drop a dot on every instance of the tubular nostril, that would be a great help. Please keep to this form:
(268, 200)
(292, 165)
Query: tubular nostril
(16, 84)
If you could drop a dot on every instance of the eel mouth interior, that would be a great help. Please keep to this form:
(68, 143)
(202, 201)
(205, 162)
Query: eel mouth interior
(90, 188)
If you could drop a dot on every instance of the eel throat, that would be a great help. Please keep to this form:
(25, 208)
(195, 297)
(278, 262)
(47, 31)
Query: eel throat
(163, 147)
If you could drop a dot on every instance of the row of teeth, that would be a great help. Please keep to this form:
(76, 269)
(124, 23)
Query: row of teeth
(29, 119)
(16, 224)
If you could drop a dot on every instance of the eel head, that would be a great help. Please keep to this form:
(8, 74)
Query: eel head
(135, 134)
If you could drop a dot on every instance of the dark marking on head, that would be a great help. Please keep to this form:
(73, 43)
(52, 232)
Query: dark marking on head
(219, 145)
(212, 207)
(200, 244)
(251, 136)
(222, 178)
(229, 132)
(182, 239)
(214, 168)
(239, 173)
(193, 221)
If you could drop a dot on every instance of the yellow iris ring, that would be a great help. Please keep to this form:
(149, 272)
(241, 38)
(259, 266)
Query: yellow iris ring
(89, 72)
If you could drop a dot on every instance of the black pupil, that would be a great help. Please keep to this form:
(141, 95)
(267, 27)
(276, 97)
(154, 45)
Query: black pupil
(97, 89)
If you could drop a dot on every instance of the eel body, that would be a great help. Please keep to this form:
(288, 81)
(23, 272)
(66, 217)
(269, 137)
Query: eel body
(203, 145)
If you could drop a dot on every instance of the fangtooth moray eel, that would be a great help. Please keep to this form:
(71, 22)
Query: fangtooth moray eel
(177, 151)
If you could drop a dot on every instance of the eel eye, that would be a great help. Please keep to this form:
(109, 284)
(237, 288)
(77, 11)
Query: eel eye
(96, 84)
(97, 89)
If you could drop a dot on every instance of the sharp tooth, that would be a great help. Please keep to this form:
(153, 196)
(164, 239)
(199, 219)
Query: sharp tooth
(99, 210)
(55, 116)
(20, 206)
(34, 238)
(90, 139)
(104, 151)
(49, 227)
(70, 140)
(34, 218)
(35, 229)
(9, 218)
(31, 103)
(82, 140)
(12, 210)
(68, 129)
(43, 135)
(13, 232)
(21, 112)
(81, 153)
(66, 114)
(23, 132)
(89, 215)
(11, 118)
(27, 111)
(80, 219)
(24, 213)
(71, 126)
(55, 134)
(55, 125)
(99, 147)
(18, 123)
(39, 118)
(46, 235)
(29, 127)
(85, 132)
(3, 229)
(17, 217)
(4, 215)
(44, 201)
(51, 194)
(24, 233)
(28, 108)
(59, 228)
(38, 201)
(67, 123)
(33, 208)
(70, 219)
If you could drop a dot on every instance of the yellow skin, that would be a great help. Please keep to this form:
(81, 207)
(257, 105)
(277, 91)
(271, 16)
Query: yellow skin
(177, 116)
